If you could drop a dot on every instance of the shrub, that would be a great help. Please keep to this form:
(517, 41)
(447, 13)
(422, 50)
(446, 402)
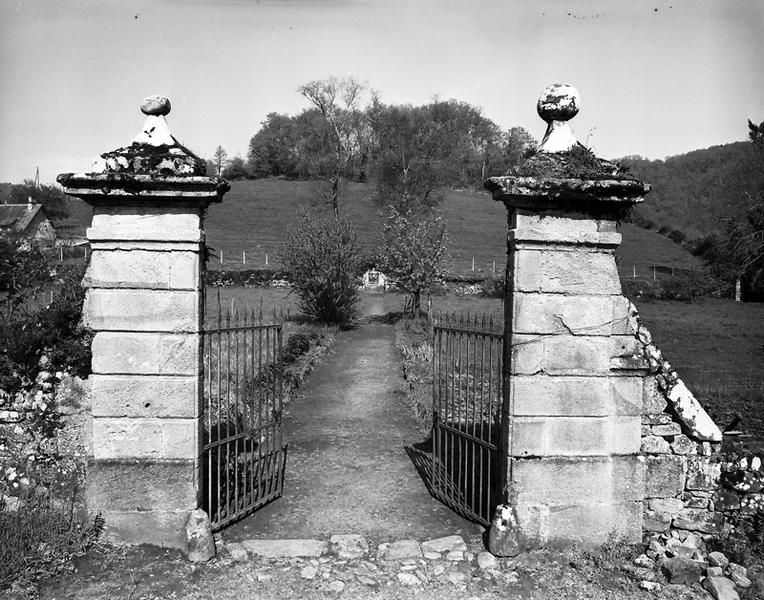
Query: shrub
(641, 288)
(324, 261)
(40, 344)
(297, 345)
(494, 287)
(412, 252)
(38, 541)
(688, 285)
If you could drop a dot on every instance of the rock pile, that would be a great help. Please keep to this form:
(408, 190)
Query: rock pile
(742, 486)
(683, 558)
(348, 558)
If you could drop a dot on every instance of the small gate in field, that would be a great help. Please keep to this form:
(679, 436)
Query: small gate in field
(467, 400)
(243, 457)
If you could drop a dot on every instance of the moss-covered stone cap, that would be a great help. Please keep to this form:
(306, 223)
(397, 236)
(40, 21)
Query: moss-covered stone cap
(121, 189)
(566, 192)
(564, 173)
(154, 166)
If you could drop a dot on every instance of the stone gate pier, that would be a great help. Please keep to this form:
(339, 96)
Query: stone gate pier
(145, 303)
(574, 372)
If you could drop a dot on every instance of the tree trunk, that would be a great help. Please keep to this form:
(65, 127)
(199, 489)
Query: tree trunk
(335, 195)
(416, 307)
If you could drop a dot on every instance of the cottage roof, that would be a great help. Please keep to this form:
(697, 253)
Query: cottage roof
(18, 217)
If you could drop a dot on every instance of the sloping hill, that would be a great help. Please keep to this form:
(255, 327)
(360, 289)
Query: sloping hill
(255, 216)
(697, 191)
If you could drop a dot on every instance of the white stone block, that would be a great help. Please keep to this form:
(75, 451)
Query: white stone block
(145, 396)
(145, 353)
(541, 395)
(146, 223)
(135, 268)
(555, 313)
(142, 310)
(575, 436)
(573, 272)
(145, 438)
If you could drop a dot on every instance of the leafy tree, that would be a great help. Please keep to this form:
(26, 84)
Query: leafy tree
(338, 102)
(273, 149)
(407, 170)
(324, 261)
(745, 240)
(24, 272)
(412, 251)
(315, 147)
(419, 150)
(518, 145)
(235, 169)
(52, 198)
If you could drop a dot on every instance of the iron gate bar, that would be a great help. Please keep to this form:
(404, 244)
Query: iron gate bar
(243, 456)
(466, 414)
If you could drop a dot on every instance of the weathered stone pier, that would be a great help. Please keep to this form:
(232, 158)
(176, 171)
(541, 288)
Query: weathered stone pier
(145, 302)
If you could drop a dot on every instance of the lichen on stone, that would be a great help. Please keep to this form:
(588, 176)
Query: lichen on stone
(147, 159)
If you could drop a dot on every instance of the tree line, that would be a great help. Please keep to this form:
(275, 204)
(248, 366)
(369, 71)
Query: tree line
(711, 201)
(407, 152)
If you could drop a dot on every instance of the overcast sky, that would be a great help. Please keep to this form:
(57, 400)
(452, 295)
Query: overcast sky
(656, 77)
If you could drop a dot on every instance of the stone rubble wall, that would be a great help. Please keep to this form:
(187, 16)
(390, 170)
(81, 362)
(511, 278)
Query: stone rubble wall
(688, 487)
(67, 398)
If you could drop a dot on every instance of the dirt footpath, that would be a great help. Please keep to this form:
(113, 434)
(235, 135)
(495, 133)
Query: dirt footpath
(347, 470)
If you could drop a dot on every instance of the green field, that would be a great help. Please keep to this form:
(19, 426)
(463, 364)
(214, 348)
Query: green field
(254, 218)
(255, 215)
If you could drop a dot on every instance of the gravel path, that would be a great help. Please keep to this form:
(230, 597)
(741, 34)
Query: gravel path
(347, 470)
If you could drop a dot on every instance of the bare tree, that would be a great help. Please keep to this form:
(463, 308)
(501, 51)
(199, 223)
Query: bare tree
(220, 159)
(338, 100)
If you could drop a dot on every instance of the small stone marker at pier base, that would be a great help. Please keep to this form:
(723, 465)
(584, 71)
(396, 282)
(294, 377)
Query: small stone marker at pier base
(574, 372)
(145, 303)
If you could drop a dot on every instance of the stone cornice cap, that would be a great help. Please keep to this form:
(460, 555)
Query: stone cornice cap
(563, 173)
(155, 166)
(566, 191)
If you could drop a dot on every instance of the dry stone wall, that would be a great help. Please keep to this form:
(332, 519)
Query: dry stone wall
(688, 486)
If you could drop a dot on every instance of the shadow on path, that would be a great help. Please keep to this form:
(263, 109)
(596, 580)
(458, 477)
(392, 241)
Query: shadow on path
(348, 470)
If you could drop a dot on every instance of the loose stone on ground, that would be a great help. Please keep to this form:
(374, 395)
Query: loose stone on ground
(286, 548)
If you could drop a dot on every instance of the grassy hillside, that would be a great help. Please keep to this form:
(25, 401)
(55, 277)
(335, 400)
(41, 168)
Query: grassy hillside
(255, 216)
(695, 192)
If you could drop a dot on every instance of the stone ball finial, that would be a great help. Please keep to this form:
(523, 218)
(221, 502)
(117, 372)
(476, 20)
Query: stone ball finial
(155, 105)
(558, 102)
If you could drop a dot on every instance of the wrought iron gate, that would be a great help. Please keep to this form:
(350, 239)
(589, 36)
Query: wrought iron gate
(467, 400)
(243, 457)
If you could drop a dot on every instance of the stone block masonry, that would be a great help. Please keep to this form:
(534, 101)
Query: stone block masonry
(576, 383)
(144, 300)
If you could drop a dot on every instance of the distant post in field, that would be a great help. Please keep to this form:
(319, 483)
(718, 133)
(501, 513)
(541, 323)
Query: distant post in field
(573, 372)
(145, 302)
